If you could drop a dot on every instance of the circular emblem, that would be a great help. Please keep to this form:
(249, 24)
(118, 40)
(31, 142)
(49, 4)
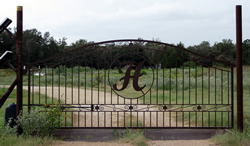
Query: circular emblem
(131, 76)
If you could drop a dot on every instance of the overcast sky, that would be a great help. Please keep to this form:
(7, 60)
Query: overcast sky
(171, 21)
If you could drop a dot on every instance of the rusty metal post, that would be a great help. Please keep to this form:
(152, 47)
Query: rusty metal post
(239, 68)
(19, 37)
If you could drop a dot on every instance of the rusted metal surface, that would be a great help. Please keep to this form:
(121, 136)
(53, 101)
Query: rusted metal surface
(134, 84)
(19, 69)
(239, 69)
(7, 93)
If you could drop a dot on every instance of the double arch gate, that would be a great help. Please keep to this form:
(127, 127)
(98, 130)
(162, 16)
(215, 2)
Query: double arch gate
(134, 84)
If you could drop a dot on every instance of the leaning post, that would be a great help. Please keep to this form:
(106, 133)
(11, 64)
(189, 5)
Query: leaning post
(19, 38)
(239, 68)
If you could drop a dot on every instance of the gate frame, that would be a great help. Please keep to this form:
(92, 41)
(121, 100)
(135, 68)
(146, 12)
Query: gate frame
(238, 62)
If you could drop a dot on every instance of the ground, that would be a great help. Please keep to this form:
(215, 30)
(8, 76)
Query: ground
(156, 137)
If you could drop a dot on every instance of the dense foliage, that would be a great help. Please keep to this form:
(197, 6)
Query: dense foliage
(38, 46)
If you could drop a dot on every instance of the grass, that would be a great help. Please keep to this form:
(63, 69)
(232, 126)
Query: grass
(132, 136)
(163, 94)
(12, 99)
(13, 140)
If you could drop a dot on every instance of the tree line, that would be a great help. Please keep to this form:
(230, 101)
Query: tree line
(37, 46)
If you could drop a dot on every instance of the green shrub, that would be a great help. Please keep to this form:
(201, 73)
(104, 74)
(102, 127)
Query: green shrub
(7, 130)
(40, 123)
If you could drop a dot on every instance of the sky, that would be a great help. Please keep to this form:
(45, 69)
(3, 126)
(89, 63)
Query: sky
(170, 21)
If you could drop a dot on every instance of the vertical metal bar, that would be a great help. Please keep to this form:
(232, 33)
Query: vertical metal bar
(72, 85)
(98, 119)
(91, 119)
(189, 82)
(170, 118)
(157, 119)
(19, 70)
(98, 78)
(78, 120)
(124, 119)
(195, 83)
(170, 85)
(202, 119)
(215, 85)
(52, 85)
(215, 118)
(79, 83)
(144, 119)
(176, 116)
(104, 118)
(232, 95)
(65, 119)
(221, 87)
(65, 73)
(111, 121)
(202, 93)
(29, 89)
(105, 79)
(39, 81)
(92, 79)
(118, 119)
(150, 119)
(239, 68)
(72, 119)
(163, 67)
(196, 119)
(85, 118)
(111, 56)
(208, 119)
(221, 119)
(182, 118)
(33, 87)
(130, 118)
(46, 95)
(208, 85)
(59, 78)
(189, 119)
(85, 84)
(157, 96)
(163, 118)
(176, 84)
(228, 88)
(182, 80)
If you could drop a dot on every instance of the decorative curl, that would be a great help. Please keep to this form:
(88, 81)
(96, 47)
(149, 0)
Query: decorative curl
(199, 107)
(99, 108)
(229, 108)
(164, 107)
(130, 107)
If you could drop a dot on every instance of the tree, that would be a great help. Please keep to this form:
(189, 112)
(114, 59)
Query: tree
(246, 52)
(225, 51)
(205, 49)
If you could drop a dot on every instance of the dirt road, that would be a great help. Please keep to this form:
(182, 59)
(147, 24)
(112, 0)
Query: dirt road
(87, 97)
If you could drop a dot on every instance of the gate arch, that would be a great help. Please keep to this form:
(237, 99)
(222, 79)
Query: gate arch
(134, 84)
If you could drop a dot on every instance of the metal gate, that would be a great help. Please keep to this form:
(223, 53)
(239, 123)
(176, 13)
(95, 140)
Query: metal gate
(134, 84)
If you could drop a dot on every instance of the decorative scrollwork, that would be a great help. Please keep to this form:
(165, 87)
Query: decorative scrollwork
(215, 108)
(114, 108)
(199, 107)
(182, 107)
(148, 107)
(99, 108)
(130, 107)
(164, 107)
(229, 108)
